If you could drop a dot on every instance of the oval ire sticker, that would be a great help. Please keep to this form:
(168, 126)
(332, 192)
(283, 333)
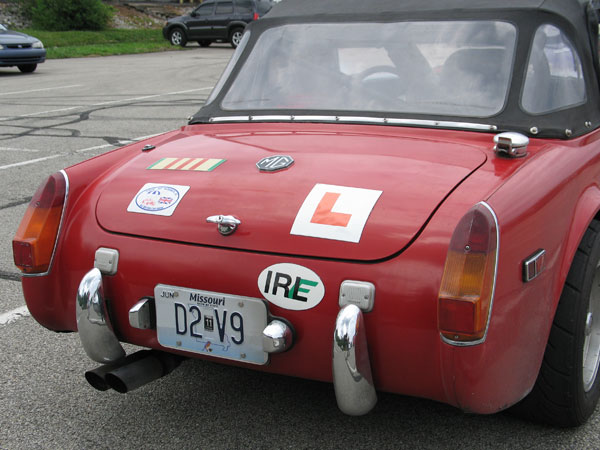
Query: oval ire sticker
(291, 286)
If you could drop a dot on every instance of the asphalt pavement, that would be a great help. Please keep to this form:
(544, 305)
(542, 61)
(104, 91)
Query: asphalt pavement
(71, 110)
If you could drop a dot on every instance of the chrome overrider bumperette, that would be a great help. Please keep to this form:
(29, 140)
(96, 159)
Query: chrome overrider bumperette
(95, 331)
(352, 379)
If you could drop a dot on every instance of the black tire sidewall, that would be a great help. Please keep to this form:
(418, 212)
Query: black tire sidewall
(27, 68)
(585, 402)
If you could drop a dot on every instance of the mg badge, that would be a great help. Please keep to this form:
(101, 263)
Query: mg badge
(274, 163)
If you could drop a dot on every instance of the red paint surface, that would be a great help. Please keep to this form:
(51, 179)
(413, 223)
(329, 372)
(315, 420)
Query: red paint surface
(541, 201)
(414, 175)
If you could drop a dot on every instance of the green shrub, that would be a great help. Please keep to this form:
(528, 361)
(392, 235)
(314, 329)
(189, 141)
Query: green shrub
(63, 15)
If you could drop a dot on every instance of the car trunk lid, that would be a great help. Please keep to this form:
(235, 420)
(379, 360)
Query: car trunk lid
(352, 192)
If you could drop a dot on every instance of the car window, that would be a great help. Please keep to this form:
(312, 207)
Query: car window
(244, 6)
(264, 6)
(224, 8)
(227, 72)
(554, 77)
(458, 68)
(206, 9)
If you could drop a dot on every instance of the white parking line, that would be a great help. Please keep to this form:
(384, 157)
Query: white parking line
(44, 89)
(13, 315)
(112, 102)
(31, 161)
(13, 149)
(2, 119)
(119, 143)
(83, 150)
(98, 147)
(145, 97)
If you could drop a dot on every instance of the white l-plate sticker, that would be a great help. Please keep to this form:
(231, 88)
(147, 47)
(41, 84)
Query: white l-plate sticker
(335, 212)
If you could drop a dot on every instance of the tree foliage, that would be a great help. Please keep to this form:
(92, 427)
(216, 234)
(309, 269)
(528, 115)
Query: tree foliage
(64, 15)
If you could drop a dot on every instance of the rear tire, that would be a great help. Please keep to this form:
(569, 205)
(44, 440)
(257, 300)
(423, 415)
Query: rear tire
(236, 36)
(27, 68)
(177, 37)
(567, 388)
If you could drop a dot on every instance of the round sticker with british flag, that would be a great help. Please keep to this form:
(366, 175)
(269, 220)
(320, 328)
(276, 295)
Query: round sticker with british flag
(335, 212)
(157, 199)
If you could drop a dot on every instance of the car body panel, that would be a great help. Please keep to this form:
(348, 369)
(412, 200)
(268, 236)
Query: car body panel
(430, 171)
(403, 314)
(268, 203)
(19, 49)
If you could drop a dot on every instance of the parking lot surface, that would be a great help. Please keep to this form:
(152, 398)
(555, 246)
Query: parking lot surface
(71, 110)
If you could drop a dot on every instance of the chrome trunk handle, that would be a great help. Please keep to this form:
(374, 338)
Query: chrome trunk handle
(225, 224)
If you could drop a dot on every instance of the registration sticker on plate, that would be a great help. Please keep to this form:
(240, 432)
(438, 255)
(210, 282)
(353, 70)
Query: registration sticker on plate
(211, 323)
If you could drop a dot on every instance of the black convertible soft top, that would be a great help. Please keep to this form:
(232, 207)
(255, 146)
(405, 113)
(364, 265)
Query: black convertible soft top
(576, 18)
(384, 8)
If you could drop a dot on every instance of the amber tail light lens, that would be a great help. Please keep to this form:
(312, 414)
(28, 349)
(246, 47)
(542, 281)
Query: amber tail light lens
(467, 288)
(33, 244)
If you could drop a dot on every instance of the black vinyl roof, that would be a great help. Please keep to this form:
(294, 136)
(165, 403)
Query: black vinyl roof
(570, 9)
(575, 17)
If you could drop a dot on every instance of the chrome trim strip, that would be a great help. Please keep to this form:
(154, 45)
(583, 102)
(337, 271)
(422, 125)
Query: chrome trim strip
(443, 124)
(60, 226)
(230, 119)
(359, 119)
(352, 379)
(315, 118)
(271, 118)
(95, 331)
(480, 341)
(368, 120)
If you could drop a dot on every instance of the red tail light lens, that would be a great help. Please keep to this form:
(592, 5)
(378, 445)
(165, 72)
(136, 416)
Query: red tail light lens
(255, 17)
(467, 287)
(33, 244)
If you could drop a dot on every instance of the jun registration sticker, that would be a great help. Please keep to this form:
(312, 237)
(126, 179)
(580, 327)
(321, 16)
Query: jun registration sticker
(157, 199)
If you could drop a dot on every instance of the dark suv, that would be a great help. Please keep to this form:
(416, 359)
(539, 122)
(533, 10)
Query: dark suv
(215, 20)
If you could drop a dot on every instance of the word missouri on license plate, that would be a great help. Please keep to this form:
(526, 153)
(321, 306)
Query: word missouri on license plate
(211, 323)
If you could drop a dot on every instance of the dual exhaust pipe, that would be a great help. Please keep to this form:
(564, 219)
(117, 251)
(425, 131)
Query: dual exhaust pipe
(133, 371)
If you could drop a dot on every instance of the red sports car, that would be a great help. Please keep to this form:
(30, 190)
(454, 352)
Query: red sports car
(395, 196)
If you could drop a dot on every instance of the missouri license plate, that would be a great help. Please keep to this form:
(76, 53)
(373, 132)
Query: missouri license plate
(211, 323)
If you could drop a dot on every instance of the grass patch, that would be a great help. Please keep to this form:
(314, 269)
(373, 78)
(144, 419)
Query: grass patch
(76, 44)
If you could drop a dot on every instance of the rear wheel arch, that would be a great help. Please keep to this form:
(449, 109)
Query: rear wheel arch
(586, 210)
(568, 386)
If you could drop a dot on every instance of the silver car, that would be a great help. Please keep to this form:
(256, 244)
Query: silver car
(21, 50)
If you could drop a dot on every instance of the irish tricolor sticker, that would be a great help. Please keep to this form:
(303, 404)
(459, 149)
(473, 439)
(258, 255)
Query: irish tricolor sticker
(335, 212)
(193, 164)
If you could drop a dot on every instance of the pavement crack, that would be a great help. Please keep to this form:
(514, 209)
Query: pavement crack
(16, 203)
(11, 276)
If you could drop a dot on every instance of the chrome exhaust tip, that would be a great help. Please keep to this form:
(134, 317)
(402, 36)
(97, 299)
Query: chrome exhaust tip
(96, 377)
(134, 371)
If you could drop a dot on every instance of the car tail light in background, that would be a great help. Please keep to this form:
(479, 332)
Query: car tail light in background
(256, 16)
(33, 244)
(467, 289)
